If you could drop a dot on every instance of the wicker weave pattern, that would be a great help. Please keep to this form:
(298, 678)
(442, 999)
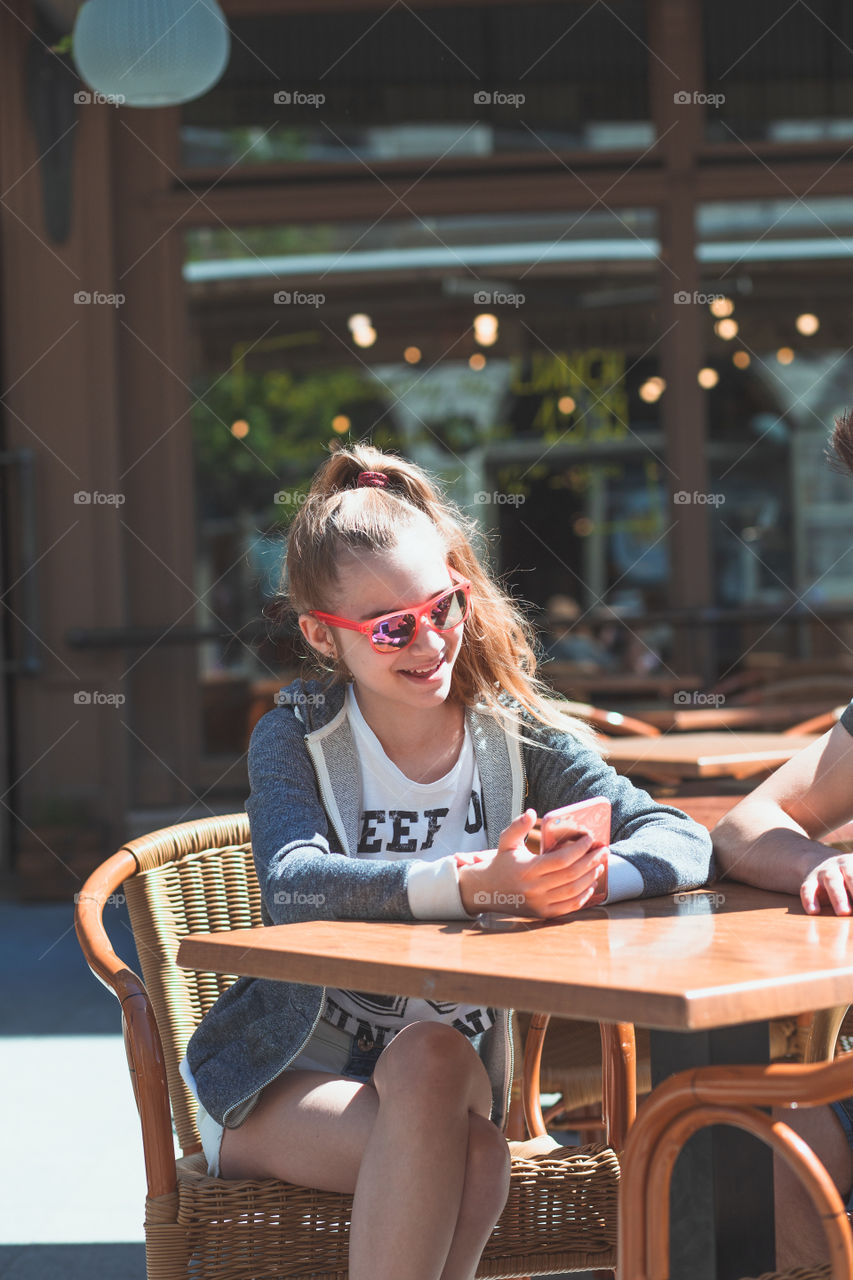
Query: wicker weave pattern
(204, 892)
(560, 1215)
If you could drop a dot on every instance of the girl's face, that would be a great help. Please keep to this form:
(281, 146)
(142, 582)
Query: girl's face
(413, 571)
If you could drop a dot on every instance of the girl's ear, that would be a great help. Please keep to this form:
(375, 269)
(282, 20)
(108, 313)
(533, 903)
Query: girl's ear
(318, 635)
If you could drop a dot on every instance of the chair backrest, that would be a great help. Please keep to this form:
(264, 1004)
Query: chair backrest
(197, 877)
(823, 691)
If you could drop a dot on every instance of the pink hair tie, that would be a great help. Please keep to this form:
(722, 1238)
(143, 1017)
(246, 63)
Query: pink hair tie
(372, 479)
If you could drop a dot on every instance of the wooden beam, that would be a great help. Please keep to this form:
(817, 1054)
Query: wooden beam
(675, 69)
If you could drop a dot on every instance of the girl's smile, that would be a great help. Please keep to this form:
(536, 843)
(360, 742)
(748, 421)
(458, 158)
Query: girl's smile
(431, 671)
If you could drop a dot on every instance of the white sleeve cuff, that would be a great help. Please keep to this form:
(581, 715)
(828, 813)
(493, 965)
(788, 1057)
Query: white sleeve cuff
(188, 1077)
(433, 889)
(623, 879)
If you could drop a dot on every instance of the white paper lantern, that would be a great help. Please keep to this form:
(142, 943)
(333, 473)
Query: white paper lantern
(151, 53)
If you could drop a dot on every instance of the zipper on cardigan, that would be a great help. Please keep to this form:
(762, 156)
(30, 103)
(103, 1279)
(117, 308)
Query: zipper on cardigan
(511, 1056)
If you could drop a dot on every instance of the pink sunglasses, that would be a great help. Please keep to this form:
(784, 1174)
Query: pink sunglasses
(392, 631)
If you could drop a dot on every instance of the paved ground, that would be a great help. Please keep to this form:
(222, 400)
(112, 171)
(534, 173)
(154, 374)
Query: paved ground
(70, 1123)
(69, 1111)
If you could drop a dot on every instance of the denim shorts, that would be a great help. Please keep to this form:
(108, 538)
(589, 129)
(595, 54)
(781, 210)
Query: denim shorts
(329, 1049)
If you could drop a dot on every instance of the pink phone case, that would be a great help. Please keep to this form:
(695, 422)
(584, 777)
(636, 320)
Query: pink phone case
(591, 816)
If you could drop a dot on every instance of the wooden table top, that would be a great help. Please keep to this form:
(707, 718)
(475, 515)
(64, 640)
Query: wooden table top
(711, 958)
(724, 754)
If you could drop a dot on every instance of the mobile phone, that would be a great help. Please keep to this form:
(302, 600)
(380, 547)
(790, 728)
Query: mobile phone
(592, 817)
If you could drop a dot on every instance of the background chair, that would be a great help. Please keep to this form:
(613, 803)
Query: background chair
(612, 723)
(823, 691)
(727, 1095)
(199, 877)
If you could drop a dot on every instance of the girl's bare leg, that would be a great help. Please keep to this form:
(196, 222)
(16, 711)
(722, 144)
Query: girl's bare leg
(428, 1170)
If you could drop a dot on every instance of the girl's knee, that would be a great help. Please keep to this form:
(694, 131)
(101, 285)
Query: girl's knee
(430, 1058)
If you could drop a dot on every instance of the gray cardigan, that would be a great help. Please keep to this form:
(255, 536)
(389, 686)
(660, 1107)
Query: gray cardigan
(303, 813)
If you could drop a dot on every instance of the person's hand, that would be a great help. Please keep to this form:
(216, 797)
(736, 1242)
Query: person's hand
(829, 883)
(515, 881)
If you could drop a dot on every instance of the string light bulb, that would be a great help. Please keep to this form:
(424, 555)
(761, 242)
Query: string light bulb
(652, 390)
(807, 324)
(486, 329)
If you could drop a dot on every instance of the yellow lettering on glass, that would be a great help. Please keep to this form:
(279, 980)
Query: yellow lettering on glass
(593, 378)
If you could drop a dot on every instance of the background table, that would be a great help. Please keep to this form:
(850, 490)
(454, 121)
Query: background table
(675, 756)
(686, 719)
(717, 963)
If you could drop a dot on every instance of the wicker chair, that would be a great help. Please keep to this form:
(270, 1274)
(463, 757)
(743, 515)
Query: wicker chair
(199, 877)
(695, 1099)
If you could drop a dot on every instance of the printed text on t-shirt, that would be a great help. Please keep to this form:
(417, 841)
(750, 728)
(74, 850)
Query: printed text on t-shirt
(407, 830)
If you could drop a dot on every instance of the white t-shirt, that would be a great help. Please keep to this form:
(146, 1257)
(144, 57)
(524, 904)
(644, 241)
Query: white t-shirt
(429, 822)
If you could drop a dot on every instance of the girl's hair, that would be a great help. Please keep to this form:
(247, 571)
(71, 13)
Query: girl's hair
(841, 441)
(496, 665)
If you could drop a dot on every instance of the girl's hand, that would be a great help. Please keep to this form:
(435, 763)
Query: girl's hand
(830, 882)
(515, 881)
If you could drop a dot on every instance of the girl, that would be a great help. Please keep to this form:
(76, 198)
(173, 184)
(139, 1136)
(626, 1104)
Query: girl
(403, 789)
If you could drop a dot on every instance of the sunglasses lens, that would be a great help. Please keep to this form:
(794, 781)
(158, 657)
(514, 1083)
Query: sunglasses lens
(394, 633)
(449, 611)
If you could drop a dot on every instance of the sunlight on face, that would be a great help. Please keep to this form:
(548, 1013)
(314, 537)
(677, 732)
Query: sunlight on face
(409, 573)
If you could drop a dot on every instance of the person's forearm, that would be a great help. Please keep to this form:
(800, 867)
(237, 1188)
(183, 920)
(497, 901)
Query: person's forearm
(762, 845)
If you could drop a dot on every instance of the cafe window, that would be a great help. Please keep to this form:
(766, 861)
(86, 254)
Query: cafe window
(778, 73)
(779, 370)
(464, 82)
